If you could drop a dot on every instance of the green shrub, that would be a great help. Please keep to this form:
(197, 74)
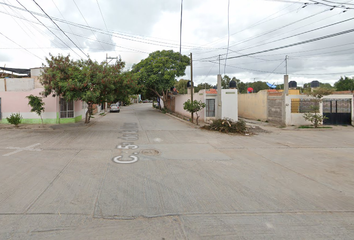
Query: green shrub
(14, 119)
(227, 126)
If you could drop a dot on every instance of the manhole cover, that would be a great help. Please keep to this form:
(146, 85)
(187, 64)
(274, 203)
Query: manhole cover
(150, 152)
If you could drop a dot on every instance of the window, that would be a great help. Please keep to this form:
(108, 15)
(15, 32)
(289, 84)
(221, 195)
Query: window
(210, 108)
(66, 108)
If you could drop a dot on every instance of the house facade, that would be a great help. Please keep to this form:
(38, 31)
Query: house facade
(13, 99)
(288, 109)
(228, 104)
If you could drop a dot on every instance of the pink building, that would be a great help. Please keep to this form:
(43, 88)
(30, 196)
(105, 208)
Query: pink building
(13, 92)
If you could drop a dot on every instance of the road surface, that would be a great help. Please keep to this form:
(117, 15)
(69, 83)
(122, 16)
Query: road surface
(141, 174)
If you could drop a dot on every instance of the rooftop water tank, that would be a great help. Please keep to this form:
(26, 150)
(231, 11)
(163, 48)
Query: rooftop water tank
(292, 84)
(315, 84)
(232, 84)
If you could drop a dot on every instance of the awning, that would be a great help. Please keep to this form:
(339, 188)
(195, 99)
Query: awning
(17, 70)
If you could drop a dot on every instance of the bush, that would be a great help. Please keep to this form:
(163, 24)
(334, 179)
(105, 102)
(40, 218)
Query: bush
(15, 119)
(227, 126)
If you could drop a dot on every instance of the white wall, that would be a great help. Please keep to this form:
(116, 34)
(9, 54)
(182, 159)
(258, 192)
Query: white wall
(229, 104)
(36, 72)
(2, 85)
(182, 98)
(17, 84)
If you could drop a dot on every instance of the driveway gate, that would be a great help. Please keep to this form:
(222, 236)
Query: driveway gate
(337, 111)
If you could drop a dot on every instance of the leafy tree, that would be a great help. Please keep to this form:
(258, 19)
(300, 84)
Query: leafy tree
(225, 82)
(194, 107)
(314, 117)
(344, 84)
(202, 86)
(37, 105)
(242, 87)
(159, 70)
(181, 86)
(258, 86)
(86, 80)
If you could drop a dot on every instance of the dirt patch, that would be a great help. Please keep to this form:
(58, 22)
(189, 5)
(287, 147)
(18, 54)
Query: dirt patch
(254, 130)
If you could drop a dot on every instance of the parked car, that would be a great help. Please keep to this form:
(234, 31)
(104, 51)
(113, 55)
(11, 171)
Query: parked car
(114, 108)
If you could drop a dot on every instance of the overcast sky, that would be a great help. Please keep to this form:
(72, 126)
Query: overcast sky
(244, 32)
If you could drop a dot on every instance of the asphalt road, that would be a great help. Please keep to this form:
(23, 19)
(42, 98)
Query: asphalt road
(141, 174)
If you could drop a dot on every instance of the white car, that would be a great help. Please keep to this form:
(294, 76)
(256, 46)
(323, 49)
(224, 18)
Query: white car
(114, 108)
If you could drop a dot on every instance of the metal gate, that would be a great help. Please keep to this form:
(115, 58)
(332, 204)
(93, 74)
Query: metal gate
(337, 111)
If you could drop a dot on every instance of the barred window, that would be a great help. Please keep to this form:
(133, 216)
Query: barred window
(210, 108)
(66, 108)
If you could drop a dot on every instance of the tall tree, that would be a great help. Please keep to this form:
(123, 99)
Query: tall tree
(159, 70)
(86, 80)
(202, 86)
(181, 86)
(344, 84)
(259, 85)
(225, 81)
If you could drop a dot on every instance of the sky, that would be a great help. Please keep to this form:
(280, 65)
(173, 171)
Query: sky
(252, 40)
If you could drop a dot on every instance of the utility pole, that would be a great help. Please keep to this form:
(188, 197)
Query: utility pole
(219, 64)
(110, 58)
(286, 65)
(192, 87)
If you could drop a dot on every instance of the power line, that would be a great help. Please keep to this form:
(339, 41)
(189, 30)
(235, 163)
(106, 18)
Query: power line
(228, 33)
(88, 24)
(180, 31)
(58, 28)
(128, 37)
(74, 34)
(264, 20)
(315, 29)
(23, 28)
(48, 28)
(62, 16)
(277, 29)
(21, 46)
(295, 44)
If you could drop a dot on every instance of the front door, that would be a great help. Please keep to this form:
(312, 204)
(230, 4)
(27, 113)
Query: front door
(337, 111)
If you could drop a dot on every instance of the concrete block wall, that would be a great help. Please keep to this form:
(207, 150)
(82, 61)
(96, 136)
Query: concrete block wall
(253, 105)
(275, 108)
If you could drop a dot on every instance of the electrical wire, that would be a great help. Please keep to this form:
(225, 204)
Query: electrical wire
(295, 44)
(180, 31)
(49, 29)
(21, 46)
(88, 24)
(24, 29)
(228, 33)
(315, 29)
(58, 27)
(63, 17)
